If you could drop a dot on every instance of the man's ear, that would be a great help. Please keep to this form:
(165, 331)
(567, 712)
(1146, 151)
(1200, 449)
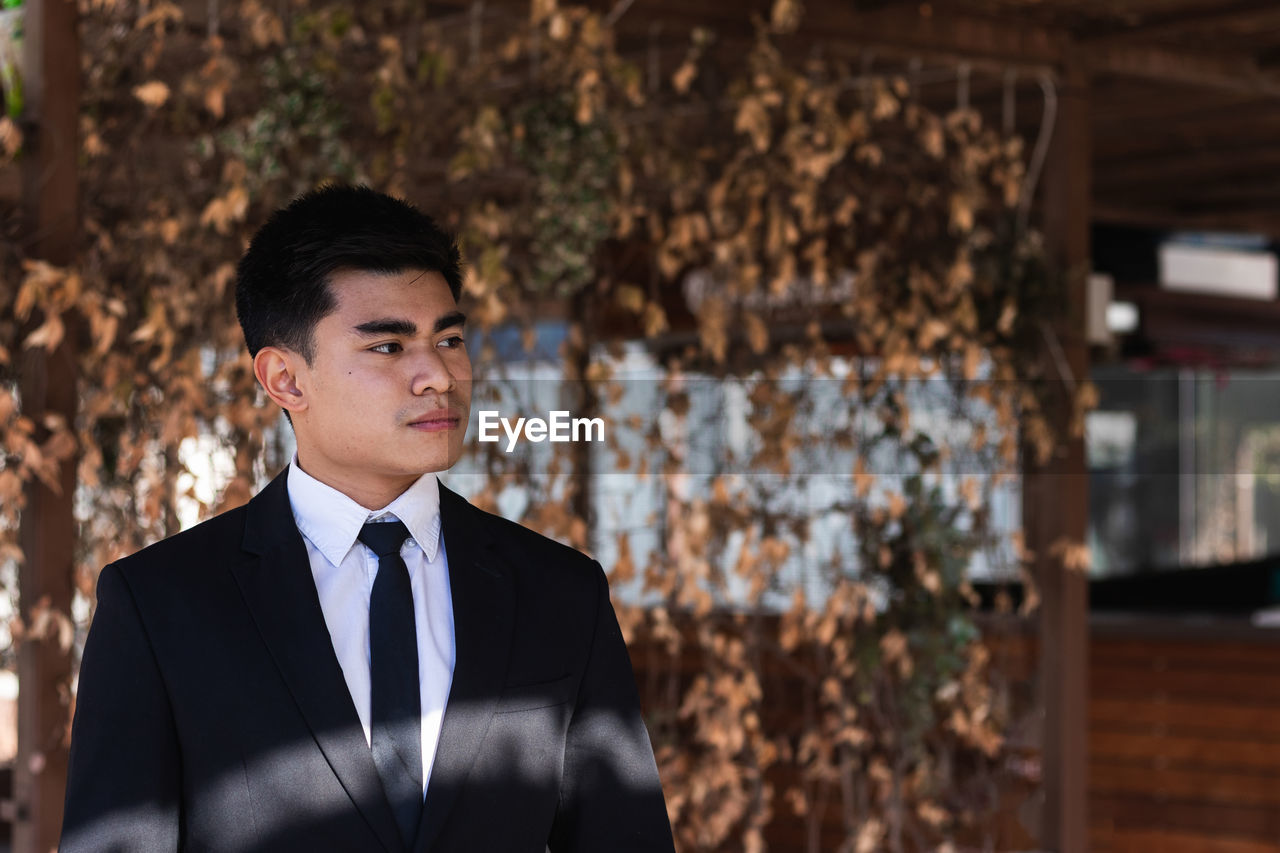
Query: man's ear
(277, 372)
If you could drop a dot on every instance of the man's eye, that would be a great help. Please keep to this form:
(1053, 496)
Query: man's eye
(387, 348)
(453, 341)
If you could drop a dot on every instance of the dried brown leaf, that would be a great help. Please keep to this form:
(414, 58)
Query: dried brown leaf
(153, 94)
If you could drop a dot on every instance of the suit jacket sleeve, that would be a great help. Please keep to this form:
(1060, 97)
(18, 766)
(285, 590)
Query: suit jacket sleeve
(611, 797)
(124, 776)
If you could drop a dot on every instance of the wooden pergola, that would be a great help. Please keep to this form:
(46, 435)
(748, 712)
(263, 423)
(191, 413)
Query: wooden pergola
(1161, 113)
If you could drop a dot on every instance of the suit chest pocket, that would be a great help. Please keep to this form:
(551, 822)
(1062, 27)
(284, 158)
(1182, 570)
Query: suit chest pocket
(528, 697)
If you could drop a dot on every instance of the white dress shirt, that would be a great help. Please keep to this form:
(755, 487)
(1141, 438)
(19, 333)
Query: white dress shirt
(344, 569)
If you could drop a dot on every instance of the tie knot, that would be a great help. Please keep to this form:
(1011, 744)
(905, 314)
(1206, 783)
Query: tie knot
(384, 537)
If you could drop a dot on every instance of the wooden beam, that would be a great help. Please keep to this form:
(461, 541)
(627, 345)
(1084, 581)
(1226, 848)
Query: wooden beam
(1249, 161)
(1173, 66)
(1055, 497)
(1205, 196)
(1205, 321)
(1252, 15)
(48, 385)
(919, 30)
(899, 31)
(1266, 222)
(911, 30)
(1150, 102)
(1256, 127)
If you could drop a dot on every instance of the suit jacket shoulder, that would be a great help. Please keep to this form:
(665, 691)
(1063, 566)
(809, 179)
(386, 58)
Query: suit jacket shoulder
(518, 544)
(173, 559)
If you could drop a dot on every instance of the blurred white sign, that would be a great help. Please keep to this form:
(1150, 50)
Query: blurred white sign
(1219, 271)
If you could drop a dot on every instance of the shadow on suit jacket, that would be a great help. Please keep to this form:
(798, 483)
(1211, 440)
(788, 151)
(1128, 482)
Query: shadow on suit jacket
(212, 713)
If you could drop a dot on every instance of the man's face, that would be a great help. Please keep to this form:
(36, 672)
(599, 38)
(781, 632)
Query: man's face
(388, 391)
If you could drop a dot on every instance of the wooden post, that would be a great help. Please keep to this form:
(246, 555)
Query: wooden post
(1055, 498)
(48, 382)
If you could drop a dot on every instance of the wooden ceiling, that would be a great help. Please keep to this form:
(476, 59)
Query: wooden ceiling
(1184, 94)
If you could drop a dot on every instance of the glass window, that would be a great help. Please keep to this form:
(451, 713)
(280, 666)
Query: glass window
(1184, 467)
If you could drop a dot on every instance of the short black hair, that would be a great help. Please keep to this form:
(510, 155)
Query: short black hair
(282, 282)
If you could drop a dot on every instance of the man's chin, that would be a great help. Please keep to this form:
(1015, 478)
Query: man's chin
(435, 463)
(439, 453)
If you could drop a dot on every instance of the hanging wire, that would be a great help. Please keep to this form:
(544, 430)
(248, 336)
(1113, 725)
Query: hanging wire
(1041, 150)
(619, 9)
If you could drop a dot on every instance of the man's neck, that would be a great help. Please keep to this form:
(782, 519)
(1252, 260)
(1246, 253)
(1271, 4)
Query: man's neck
(372, 494)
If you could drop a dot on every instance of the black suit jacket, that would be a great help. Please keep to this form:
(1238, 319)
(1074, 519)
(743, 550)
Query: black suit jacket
(212, 713)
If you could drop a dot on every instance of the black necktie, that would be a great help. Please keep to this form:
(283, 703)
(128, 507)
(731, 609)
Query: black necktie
(393, 665)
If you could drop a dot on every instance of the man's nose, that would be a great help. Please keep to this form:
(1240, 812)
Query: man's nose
(432, 374)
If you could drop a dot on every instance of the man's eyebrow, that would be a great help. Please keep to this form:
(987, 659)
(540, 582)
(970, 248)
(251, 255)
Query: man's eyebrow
(448, 321)
(388, 326)
(407, 328)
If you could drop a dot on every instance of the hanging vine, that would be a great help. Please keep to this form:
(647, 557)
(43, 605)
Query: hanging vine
(790, 240)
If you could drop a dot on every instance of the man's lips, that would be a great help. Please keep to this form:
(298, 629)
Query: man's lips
(445, 419)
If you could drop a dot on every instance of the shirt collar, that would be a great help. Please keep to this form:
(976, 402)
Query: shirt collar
(332, 521)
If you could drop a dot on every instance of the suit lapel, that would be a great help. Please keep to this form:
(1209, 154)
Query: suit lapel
(275, 580)
(483, 621)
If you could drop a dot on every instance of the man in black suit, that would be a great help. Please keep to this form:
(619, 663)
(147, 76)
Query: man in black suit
(358, 659)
